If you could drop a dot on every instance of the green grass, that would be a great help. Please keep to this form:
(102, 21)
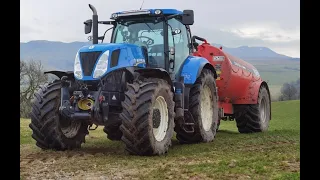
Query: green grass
(271, 155)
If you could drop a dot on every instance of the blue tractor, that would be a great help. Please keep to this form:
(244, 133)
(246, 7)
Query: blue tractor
(142, 87)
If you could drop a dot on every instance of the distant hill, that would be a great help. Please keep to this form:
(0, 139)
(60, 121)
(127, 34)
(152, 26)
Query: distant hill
(254, 53)
(60, 55)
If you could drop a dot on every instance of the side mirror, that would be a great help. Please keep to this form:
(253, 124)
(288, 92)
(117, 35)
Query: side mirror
(187, 17)
(87, 26)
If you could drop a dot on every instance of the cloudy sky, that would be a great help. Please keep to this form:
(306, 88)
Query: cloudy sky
(270, 23)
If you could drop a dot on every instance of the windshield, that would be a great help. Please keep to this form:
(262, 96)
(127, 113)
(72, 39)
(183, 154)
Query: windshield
(148, 34)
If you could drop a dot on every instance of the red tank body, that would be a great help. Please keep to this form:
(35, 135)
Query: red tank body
(238, 81)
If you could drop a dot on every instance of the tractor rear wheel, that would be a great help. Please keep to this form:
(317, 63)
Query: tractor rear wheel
(112, 128)
(49, 130)
(203, 105)
(252, 118)
(148, 117)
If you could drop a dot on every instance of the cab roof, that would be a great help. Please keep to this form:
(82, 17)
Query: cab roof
(146, 11)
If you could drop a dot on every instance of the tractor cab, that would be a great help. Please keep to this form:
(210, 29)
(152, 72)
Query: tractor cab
(163, 34)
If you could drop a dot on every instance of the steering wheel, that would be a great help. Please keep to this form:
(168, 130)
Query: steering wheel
(149, 41)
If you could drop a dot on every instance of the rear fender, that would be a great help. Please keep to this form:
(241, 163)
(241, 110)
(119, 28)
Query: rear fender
(192, 68)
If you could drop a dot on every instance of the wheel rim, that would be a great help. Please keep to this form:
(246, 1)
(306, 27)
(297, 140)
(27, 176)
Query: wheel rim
(263, 111)
(160, 118)
(206, 108)
(70, 128)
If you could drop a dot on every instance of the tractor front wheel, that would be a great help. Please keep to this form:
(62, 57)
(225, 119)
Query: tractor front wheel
(254, 117)
(148, 117)
(49, 130)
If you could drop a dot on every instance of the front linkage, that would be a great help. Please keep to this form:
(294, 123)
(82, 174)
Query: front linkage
(84, 105)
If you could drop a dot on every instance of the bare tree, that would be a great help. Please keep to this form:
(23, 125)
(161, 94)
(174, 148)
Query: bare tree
(290, 91)
(31, 77)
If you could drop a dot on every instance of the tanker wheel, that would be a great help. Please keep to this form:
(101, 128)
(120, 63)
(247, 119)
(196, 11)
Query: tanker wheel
(112, 128)
(49, 130)
(254, 117)
(148, 117)
(203, 105)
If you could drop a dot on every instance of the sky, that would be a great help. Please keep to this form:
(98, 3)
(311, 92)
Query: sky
(265, 23)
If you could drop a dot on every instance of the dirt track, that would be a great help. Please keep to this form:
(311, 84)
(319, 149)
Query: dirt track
(58, 165)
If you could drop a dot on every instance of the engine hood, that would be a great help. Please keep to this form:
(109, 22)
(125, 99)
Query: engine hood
(106, 46)
(120, 55)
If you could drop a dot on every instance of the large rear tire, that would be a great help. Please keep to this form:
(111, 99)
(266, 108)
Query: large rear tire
(148, 117)
(49, 130)
(203, 105)
(252, 118)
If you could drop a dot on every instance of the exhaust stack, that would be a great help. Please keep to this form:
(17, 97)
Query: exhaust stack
(94, 24)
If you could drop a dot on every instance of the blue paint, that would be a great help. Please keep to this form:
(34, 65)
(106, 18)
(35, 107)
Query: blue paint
(152, 11)
(127, 57)
(191, 67)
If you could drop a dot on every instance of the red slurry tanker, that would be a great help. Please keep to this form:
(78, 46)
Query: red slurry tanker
(152, 79)
(242, 93)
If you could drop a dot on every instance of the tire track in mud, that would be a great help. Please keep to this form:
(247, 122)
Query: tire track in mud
(55, 165)
(65, 155)
(45, 157)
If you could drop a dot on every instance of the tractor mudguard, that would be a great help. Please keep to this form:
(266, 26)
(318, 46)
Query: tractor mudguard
(192, 68)
(60, 74)
(155, 73)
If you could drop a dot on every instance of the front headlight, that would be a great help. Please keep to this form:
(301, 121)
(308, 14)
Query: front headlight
(102, 65)
(77, 67)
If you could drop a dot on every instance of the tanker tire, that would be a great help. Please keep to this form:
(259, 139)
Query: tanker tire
(112, 128)
(137, 117)
(45, 121)
(248, 117)
(196, 93)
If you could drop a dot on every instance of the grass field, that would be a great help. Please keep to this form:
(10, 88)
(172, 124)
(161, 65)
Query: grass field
(276, 73)
(271, 155)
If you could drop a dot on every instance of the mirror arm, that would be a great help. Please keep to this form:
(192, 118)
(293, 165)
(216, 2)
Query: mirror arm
(106, 22)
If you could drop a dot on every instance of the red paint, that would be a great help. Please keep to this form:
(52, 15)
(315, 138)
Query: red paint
(235, 84)
(227, 107)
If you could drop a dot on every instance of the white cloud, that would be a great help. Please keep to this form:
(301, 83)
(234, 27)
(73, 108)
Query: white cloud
(269, 32)
(61, 20)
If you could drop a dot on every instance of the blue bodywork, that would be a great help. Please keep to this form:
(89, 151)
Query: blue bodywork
(192, 67)
(130, 55)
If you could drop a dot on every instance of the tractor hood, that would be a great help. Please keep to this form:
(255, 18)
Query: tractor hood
(109, 56)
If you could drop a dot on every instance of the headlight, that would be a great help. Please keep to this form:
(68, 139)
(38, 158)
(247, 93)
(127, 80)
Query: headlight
(114, 16)
(158, 11)
(102, 65)
(77, 67)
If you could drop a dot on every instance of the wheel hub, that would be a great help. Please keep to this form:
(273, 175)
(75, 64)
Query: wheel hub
(160, 118)
(263, 111)
(206, 108)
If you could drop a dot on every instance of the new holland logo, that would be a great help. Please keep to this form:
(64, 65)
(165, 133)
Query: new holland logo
(91, 47)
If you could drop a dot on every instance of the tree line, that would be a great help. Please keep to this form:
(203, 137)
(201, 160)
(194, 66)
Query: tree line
(290, 91)
(31, 77)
